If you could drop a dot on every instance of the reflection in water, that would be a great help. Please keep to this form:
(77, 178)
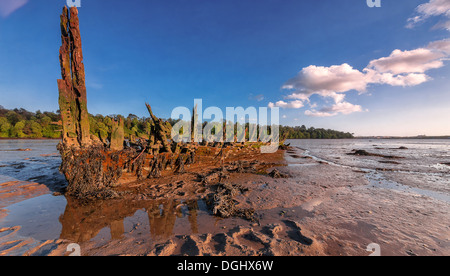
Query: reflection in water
(82, 222)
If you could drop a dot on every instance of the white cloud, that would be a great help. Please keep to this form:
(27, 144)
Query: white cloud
(415, 61)
(338, 78)
(337, 97)
(344, 108)
(441, 45)
(412, 79)
(7, 7)
(314, 113)
(400, 68)
(299, 96)
(294, 104)
(338, 108)
(432, 8)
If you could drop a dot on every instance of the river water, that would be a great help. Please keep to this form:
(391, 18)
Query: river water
(420, 166)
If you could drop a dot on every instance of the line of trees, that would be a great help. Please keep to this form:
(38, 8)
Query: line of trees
(20, 123)
(301, 132)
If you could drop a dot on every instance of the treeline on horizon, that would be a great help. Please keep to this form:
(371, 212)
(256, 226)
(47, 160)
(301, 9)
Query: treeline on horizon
(20, 123)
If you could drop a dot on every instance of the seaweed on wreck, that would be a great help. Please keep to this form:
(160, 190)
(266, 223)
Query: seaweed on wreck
(179, 165)
(243, 166)
(217, 174)
(157, 165)
(86, 171)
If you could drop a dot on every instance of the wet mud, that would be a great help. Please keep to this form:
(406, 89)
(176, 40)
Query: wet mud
(320, 208)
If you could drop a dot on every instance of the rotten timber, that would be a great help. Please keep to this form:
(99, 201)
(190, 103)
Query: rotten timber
(72, 87)
(93, 165)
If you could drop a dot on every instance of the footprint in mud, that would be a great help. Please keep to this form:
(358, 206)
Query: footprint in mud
(14, 245)
(248, 240)
(5, 232)
(197, 245)
(6, 246)
(190, 247)
(10, 247)
(222, 240)
(295, 233)
(8, 241)
(165, 249)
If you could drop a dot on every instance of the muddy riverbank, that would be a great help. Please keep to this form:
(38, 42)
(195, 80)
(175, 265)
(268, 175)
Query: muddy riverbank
(326, 206)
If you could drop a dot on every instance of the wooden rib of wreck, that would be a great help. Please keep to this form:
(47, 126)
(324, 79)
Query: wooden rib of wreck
(92, 166)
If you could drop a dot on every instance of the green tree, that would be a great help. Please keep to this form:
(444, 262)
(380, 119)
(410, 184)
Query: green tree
(17, 130)
(5, 127)
(36, 130)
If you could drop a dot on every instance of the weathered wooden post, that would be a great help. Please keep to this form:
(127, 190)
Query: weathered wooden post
(72, 87)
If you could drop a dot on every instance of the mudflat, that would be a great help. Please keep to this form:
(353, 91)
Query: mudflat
(310, 205)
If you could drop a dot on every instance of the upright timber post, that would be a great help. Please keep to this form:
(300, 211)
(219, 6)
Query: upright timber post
(72, 86)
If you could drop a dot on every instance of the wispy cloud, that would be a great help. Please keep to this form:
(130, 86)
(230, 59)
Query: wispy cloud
(259, 97)
(431, 9)
(415, 61)
(283, 104)
(7, 7)
(341, 107)
(95, 85)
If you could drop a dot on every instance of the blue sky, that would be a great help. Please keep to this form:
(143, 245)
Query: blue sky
(243, 53)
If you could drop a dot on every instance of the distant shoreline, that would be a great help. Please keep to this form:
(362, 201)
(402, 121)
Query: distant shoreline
(413, 137)
(15, 138)
(366, 138)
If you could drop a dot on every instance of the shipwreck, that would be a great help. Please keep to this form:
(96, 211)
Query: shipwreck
(93, 166)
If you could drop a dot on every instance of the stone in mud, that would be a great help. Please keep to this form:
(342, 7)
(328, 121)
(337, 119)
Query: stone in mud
(277, 174)
(361, 153)
(365, 153)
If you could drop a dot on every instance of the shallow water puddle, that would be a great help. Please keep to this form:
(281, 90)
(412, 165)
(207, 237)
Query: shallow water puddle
(38, 217)
(48, 218)
(377, 180)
